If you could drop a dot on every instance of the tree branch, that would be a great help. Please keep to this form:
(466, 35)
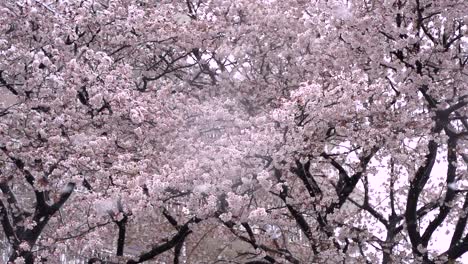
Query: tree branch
(7, 85)
(416, 186)
(6, 224)
(302, 171)
(350, 182)
(461, 224)
(450, 194)
(17, 214)
(179, 237)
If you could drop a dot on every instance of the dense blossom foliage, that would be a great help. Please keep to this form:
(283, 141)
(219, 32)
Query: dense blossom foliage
(287, 131)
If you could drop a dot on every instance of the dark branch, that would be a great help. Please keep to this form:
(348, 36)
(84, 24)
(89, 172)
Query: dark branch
(449, 195)
(302, 171)
(7, 85)
(179, 237)
(461, 224)
(416, 186)
(6, 224)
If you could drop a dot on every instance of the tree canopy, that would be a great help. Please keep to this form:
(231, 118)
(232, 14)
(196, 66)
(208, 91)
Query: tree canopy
(286, 131)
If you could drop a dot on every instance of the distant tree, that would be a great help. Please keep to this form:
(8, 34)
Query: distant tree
(307, 131)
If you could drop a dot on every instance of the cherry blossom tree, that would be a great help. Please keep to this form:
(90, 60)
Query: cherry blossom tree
(306, 131)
